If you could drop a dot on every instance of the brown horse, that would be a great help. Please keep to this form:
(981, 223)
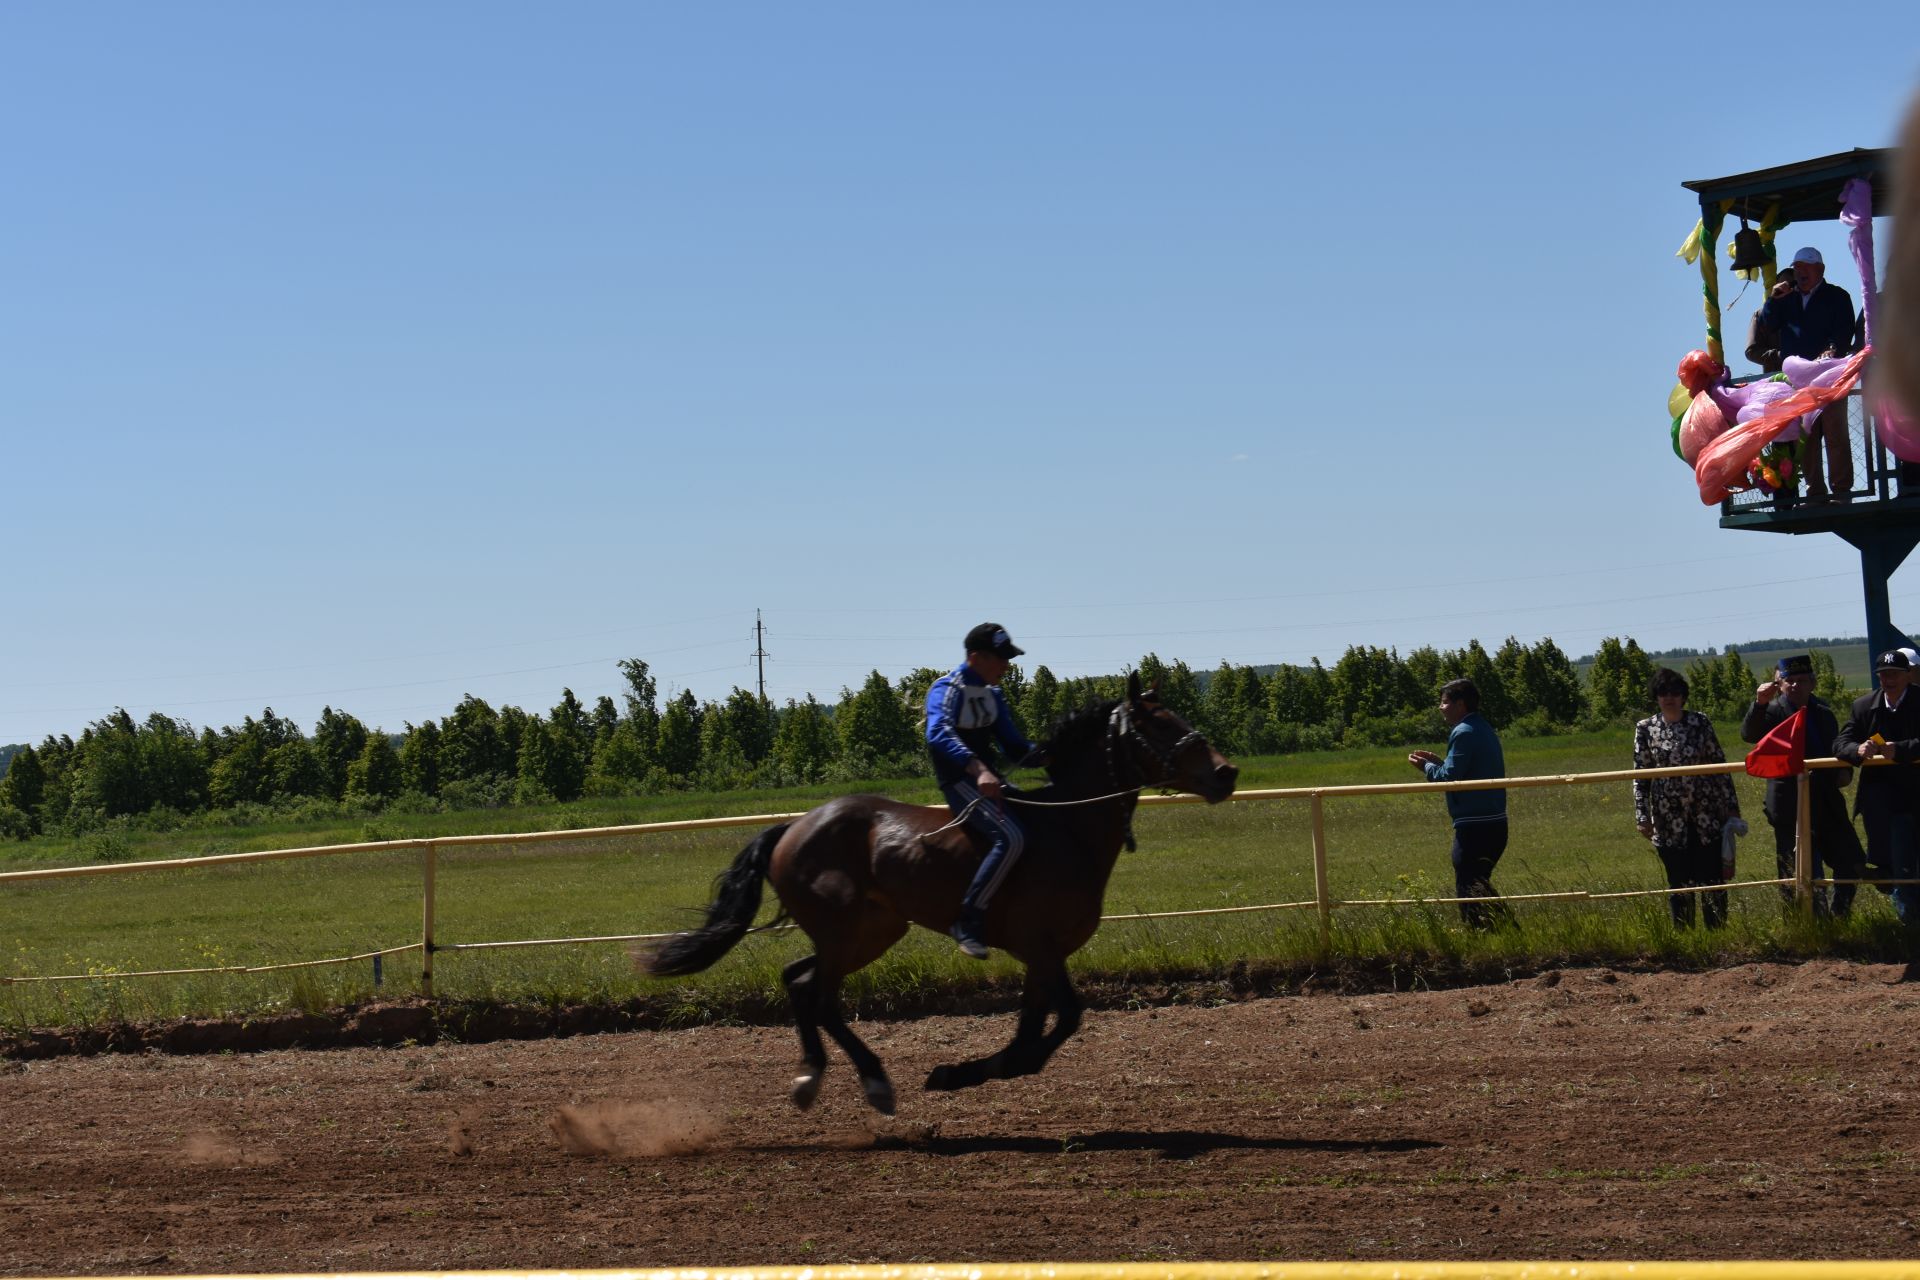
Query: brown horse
(857, 871)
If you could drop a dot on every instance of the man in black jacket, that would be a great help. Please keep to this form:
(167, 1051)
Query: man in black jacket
(1883, 736)
(1815, 320)
(1834, 840)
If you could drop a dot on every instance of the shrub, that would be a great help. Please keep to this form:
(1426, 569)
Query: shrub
(14, 823)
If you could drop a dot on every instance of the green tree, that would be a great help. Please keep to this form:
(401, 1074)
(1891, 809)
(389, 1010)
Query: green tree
(677, 748)
(420, 758)
(620, 763)
(804, 742)
(1473, 663)
(471, 746)
(25, 786)
(642, 700)
(1540, 678)
(748, 724)
(173, 764)
(873, 724)
(1828, 684)
(604, 719)
(1369, 684)
(1179, 691)
(1042, 701)
(1619, 681)
(537, 755)
(338, 740)
(56, 763)
(294, 771)
(376, 775)
(107, 774)
(570, 740)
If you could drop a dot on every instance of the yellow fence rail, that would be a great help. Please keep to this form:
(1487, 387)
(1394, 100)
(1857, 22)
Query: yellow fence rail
(1323, 902)
(1611, 1270)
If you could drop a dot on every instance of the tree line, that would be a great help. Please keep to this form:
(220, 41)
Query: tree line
(159, 771)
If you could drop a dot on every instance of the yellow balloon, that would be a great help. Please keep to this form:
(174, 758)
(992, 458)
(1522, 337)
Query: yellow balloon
(1677, 400)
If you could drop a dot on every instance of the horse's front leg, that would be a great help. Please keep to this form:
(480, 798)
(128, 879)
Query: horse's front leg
(1047, 990)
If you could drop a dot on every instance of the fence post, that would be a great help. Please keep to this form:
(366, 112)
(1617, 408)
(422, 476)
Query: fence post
(1321, 898)
(1803, 844)
(426, 920)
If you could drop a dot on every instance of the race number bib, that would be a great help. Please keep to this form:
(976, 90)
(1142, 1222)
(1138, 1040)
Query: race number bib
(977, 707)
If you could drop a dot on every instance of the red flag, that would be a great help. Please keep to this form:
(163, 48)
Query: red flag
(1783, 752)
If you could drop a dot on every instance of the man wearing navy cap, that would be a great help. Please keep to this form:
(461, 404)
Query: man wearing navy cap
(1834, 840)
(1883, 735)
(968, 725)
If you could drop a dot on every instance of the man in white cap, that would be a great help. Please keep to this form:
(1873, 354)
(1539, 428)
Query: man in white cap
(1813, 321)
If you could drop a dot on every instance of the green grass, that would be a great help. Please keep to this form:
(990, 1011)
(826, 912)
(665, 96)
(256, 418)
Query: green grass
(1190, 857)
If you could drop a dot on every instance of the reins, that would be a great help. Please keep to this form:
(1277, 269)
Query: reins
(1122, 727)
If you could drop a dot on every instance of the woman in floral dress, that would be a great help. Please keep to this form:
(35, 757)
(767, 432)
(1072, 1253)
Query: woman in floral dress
(1684, 817)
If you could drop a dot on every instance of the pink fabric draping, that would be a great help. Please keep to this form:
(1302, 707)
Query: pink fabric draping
(1722, 467)
(1856, 211)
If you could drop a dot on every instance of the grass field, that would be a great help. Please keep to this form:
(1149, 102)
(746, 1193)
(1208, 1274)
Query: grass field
(1240, 854)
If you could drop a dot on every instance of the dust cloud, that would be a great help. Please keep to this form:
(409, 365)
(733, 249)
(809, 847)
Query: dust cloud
(212, 1150)
(668, 1128)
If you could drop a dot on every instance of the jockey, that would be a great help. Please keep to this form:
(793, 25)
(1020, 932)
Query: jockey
(967, 719)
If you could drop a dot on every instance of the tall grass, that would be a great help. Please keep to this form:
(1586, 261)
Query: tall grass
(1393, 847)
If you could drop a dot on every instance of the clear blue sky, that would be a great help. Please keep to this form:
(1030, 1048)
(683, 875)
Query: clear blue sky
(376, 354)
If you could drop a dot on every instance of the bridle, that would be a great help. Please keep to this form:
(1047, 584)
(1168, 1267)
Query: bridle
(1122, 728)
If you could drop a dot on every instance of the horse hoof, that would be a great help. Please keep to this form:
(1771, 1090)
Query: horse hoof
(879, 1095)
(805, 1089)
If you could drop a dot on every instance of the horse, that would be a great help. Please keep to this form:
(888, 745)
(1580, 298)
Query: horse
(857, 871)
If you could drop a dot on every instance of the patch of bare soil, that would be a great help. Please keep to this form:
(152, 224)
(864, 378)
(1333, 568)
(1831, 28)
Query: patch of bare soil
(1763, 1111)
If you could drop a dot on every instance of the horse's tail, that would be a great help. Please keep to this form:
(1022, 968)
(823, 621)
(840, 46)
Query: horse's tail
(736, 900)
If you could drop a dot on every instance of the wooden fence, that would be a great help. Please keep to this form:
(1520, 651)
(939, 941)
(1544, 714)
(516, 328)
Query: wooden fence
(1323, 901)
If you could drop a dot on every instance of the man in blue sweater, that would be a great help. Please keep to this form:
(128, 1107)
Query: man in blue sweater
(1479, 817)
(968, 725)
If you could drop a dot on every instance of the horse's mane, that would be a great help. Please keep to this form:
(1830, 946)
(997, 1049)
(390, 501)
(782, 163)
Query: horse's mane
(1073, 732)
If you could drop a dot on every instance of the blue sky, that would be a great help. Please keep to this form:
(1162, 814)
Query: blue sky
(373, 355)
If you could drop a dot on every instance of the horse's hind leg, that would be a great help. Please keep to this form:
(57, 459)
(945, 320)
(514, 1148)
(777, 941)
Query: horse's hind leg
(803, 994)
(873, 1076)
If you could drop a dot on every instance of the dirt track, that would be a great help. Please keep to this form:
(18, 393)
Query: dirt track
(1765, 1111)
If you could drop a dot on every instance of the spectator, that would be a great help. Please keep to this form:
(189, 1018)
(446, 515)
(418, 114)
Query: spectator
(1883, 734)
(1763, 340)
(1479, 817)
(1684, 817)
(1815, 320)
(1834, 840)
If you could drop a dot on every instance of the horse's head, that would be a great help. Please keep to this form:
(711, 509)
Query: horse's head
(1163, 750)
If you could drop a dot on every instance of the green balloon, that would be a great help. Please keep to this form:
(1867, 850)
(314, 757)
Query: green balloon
(1676, 441)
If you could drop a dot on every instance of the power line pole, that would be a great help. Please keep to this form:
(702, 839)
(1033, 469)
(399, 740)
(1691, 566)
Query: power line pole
(760, 654)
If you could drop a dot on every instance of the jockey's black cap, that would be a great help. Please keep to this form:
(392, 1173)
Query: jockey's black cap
(991, 637)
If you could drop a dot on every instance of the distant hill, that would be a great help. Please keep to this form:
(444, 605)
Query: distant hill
(7, 753)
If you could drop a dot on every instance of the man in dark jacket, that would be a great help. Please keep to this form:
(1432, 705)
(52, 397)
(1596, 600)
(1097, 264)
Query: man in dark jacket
(1813, 321)
(1883, 736)
(1479, 817)
(1834, 840)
